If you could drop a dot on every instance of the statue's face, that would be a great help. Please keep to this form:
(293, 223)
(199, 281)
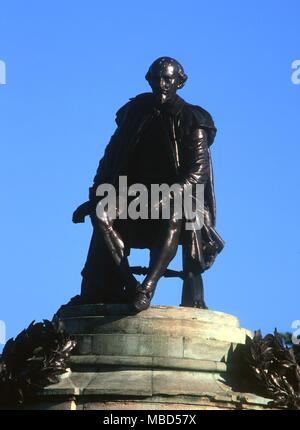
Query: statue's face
(165, 82)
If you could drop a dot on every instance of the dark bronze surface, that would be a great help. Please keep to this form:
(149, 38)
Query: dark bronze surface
(33, 360)
(269, 366)
(160, 138)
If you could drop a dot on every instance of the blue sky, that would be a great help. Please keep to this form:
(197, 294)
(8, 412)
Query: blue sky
(72, 64)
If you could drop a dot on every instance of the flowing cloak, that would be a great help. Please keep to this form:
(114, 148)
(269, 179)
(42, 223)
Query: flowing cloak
(200, 246)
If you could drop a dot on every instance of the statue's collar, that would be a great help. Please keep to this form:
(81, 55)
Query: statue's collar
(173, 106)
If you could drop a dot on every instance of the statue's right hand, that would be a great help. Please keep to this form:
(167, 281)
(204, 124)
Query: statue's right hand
(81, 212)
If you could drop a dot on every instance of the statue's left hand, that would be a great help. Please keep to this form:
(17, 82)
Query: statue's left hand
(81, 212)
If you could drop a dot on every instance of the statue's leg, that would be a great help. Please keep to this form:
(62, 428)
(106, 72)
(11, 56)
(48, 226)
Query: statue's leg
(192, 291)
(118, 250)
(161, 256)
(101, 281)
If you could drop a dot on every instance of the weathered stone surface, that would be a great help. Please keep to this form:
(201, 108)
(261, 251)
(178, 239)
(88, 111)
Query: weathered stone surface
(191, 383)
(161, 326)
(146, 389)
(141, 346)
(162, 358)
(157, 332)
(135, 382)
(205, 404)
(169, 312)
(83, 345)
(144, 345)
(86, 362)
(202, 349)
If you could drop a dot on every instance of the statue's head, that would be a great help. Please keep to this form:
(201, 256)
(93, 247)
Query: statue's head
(165, 77)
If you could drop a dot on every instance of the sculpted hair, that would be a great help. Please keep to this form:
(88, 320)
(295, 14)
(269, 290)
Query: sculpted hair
(159, 62)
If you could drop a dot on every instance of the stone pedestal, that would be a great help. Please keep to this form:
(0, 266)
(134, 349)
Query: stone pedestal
(162, 358)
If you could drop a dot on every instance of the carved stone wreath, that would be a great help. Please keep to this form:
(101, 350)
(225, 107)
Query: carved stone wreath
(34, 359)
(275, 367)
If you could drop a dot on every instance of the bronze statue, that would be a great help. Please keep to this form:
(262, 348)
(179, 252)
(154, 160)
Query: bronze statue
(160, 139)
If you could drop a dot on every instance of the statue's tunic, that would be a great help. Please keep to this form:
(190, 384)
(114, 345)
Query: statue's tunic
(151, 162)
(152, 144)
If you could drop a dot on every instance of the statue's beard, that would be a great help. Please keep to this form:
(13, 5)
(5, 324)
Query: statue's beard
(162, 97)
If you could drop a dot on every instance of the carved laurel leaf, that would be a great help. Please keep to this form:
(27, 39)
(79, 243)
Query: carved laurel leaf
(34, 359)
(275, 368)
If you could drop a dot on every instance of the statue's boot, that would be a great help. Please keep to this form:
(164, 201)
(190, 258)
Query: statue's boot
(160, 257)
(193, 291)
(144, 295)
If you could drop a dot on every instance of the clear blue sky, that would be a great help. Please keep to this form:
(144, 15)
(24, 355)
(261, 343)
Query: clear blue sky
(72, 64)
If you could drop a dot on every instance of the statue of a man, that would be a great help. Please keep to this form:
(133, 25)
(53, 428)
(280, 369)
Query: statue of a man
(160, 139)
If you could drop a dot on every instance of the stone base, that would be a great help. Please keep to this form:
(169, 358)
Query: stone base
(159, 359)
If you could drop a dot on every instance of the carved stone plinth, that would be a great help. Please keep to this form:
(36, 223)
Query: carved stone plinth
(162, 358)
